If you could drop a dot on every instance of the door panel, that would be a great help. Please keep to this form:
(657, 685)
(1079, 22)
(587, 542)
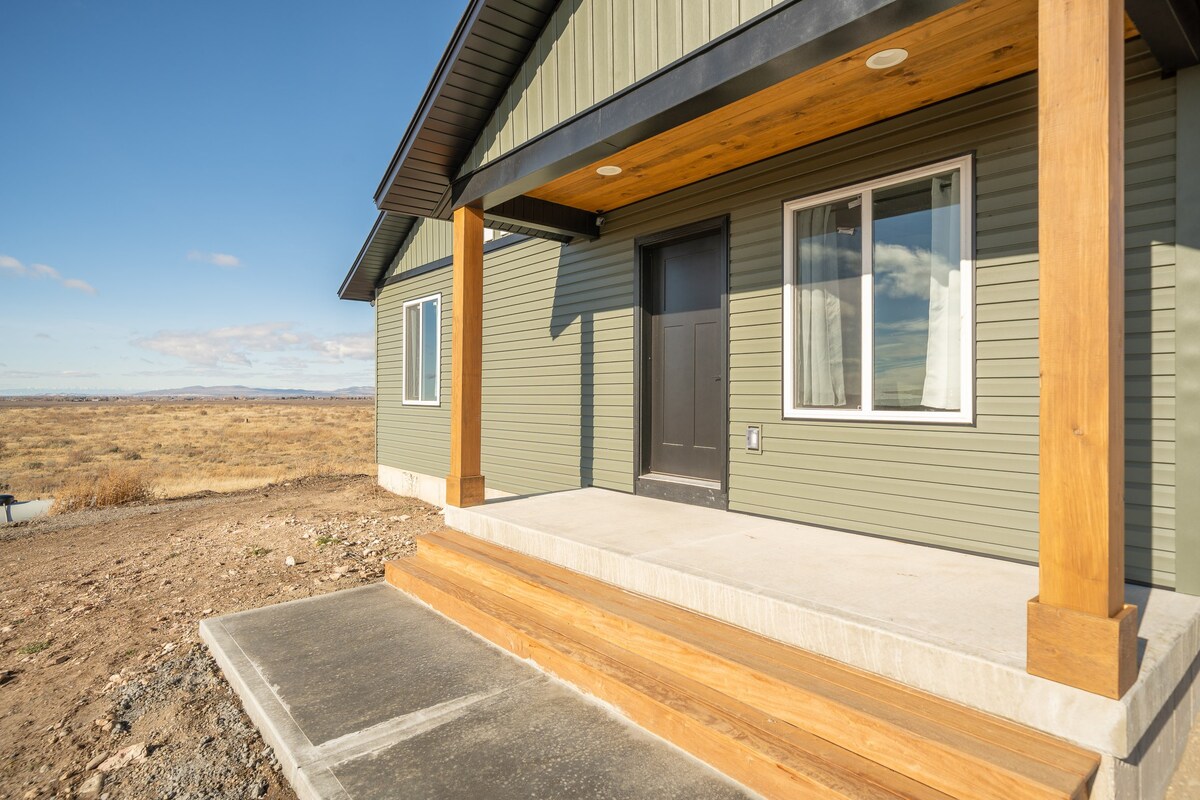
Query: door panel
(686, 413)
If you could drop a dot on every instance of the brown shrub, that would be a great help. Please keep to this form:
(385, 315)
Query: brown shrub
(111, 488)
(214, 451)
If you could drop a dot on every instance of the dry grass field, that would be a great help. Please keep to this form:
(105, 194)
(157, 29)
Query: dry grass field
(174, 449)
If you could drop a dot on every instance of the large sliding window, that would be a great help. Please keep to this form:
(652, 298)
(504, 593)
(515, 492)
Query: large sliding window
(878, 299)
(422, 350)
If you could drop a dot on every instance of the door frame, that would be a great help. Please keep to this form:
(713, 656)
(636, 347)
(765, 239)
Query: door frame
(670, 490)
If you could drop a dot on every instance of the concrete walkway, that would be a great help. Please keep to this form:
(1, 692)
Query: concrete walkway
(367, 694)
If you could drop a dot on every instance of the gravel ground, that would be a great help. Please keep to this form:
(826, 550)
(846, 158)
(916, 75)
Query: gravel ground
(105, 689)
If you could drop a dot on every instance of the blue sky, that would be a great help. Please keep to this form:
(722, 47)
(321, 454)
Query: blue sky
(184, 185)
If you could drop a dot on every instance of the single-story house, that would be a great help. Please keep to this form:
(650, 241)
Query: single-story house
(916, 271)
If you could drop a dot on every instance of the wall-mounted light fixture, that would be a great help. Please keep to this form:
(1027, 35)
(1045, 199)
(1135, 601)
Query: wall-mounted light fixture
(753, 439)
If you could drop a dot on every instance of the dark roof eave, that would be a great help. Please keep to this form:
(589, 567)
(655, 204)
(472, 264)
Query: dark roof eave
(387, 236)
(428, 99)
(503, 31)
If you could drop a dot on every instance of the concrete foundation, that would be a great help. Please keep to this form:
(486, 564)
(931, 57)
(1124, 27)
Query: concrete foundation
(427, 488)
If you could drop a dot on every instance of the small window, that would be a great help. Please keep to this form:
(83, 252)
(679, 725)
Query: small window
(878, 299)
(422, 350)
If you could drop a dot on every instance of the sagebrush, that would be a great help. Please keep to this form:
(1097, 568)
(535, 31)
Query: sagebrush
(111, 488)
(180, 448)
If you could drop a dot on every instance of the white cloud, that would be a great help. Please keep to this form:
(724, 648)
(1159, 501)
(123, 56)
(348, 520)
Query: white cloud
(216, 259)
(78, 285)
(38, 271)
(43, 271)
(349, 347)
(245, 345)
(905, 272)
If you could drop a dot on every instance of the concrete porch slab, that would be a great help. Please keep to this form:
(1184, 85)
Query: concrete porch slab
(949, 623)
(366, 694)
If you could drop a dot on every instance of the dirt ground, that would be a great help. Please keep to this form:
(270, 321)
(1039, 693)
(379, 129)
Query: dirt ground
(99, 644)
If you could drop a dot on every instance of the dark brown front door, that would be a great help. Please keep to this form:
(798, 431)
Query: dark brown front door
(685, 416)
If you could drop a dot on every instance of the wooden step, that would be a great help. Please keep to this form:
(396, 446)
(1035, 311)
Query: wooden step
(765, 754)
(871, 723)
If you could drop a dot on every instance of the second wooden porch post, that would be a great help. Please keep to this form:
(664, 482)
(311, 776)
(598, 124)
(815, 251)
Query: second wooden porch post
(1081, 632)
(464, 484)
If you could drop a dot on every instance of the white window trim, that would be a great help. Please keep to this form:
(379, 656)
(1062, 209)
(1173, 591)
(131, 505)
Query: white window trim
(437, 382)
(967, 266)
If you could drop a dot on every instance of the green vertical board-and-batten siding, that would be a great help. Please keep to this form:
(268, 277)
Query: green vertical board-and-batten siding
(558, 333)
(429, 240)
(593, 49)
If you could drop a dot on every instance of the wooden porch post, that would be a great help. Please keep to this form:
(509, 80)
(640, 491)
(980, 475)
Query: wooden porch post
(1081, 632)
(464, 484)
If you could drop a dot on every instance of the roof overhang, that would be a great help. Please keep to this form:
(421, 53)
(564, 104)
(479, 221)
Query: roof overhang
(694, 118)
(775, 46)
(376, 255)
(522, 191)
(487, 49)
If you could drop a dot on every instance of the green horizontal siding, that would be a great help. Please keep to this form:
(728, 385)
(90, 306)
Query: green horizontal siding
(1187, 198)
(972, 488)
(551, 326)
(414, 438)
(556, 372)
(558, 375)
(592, 49)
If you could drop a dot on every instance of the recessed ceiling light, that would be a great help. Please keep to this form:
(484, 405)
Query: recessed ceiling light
(886, 59)
(608, 169)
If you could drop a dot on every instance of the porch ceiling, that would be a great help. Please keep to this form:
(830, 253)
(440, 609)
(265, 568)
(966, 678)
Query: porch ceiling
(967, 47)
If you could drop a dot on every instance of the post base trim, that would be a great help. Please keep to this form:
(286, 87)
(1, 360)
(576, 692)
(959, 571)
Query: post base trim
(464, 491)
(1096, 654)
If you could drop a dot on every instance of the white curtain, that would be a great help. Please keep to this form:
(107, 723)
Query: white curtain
(821, 365)
(943, 358)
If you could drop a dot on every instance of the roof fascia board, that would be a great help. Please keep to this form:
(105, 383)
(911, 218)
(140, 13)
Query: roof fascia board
(1171, 29)
(772, 47)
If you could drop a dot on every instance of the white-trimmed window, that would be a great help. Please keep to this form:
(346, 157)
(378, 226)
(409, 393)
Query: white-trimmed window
(878, 298)
(422, 350)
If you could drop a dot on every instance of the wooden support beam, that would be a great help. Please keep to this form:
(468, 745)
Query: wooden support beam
(464, 484)
(1081, 244)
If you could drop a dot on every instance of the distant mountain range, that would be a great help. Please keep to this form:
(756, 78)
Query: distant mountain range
(250, 391)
